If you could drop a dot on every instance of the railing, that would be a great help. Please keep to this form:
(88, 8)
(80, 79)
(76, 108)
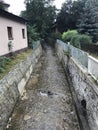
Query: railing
(82, 57)
(79, 55)
(76, 53)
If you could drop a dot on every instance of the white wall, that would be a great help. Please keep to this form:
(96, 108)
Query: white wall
(93, 66)
(18, 41)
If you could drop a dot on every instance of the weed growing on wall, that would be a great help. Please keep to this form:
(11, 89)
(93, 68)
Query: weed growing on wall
(4, 61)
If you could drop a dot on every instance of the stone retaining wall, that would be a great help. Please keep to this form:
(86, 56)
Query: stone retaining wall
(12, 86)
(84, 86)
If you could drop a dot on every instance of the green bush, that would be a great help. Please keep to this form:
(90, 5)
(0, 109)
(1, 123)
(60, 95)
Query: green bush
(75, 38)
(79, 39)
(67, 36)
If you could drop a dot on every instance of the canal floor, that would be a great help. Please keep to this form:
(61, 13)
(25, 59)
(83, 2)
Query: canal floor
(47, 102)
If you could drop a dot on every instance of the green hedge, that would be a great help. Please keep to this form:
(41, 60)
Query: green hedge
(66, 36)
(79, 39)
(75, 38)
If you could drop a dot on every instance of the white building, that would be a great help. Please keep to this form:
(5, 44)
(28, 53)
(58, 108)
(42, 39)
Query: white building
(13, 32)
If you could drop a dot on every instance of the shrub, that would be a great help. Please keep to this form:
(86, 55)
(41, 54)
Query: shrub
(3, 62)
(75, 38)
(67, 36)
(79, 39)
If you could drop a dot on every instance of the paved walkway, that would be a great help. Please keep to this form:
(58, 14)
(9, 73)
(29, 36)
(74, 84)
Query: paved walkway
(47, 103)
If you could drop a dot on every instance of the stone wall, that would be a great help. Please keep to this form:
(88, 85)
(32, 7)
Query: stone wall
(12, 86)
(84, 86)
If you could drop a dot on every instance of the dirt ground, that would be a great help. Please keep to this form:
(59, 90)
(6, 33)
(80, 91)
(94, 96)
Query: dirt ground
(47, 103)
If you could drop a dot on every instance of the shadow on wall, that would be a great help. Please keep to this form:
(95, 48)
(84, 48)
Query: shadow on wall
(83, 104)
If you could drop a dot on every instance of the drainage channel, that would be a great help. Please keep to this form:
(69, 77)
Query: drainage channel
(47, 103)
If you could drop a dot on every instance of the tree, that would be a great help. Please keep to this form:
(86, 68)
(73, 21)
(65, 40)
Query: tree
(1, 4)
(32, 35)
(88, 23)
(69, 14)
(63, 17)
(40, 13)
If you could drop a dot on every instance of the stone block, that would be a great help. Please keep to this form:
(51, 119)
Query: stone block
(8, 98)
(21, 86)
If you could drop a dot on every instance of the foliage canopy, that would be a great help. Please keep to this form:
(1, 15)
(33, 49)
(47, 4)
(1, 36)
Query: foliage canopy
(66, 36)
(1, 4)
(88, 23)
(69, 14)
(75, 38)
(40, 13)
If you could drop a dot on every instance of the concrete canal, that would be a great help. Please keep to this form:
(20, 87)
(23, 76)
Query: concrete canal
(47, 103)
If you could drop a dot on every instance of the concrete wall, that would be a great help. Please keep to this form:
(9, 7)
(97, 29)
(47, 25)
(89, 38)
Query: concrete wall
(18, 41)
(84, 86)
(79, 55)
(93, 66)
(12, 86)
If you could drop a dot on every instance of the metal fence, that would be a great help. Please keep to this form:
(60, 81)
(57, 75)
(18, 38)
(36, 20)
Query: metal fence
(82, 57)
(76, 53)
(64, 45)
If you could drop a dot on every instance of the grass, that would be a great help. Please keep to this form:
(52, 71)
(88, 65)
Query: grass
(10, 64)
(94, 55)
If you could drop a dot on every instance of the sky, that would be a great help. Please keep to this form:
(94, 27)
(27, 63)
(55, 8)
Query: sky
(16, 6)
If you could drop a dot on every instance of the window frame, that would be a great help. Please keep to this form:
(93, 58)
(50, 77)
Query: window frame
(10, 32)
(23, 33)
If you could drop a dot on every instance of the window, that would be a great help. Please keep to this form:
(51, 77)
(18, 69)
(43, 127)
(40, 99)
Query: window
(23, 33)
(10, 33)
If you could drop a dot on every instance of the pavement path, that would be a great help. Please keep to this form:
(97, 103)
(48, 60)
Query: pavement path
(47, 103)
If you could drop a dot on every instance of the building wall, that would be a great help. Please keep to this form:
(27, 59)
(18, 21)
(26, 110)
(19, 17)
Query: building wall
(18, 42)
